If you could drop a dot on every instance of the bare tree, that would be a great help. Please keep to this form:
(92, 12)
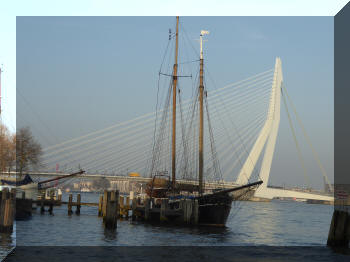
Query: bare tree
(7, 149)
(28, 151)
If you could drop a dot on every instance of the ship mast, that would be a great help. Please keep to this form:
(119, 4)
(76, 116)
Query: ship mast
(173, 148)
(201, 131)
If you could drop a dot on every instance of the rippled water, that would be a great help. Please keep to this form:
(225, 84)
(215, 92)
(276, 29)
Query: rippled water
(250, 223)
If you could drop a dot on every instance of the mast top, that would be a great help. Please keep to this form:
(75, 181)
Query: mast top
(203, 32)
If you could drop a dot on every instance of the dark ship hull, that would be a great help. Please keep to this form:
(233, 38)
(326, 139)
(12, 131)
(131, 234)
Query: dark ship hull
(214, 210)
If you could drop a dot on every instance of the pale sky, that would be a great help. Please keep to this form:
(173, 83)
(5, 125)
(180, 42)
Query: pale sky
(10, 9)
(266, 30)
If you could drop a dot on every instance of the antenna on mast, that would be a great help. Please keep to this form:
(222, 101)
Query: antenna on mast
(203, 32)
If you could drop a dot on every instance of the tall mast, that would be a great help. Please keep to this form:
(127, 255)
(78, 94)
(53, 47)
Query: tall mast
(173, 148)
(201, 131)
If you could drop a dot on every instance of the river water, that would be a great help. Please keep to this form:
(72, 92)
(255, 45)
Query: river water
(274, 223)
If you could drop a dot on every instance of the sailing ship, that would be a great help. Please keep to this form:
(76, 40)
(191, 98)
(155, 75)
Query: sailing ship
(214, 205)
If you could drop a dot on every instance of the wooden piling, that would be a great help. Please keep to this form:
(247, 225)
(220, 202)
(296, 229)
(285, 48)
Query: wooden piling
(23, 206)
(347, 228)
(147, 208)
(23, 195)
(163, 208)
(182, 207)
(340, 236)
(116, 193)
(133, 206)
(338, 231)
(121, 201)
(195, 211)
(121, 206)
(127, 206)
(77, 211)
(104, 206)
(51, 205)
(187, 209)
(111, 214)
(106, 199)
(111, 210)
(13, 197)
(70, 202)
(100, 204)
(7, 211)
(42, 207)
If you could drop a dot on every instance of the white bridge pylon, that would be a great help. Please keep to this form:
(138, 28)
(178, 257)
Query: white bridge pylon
(268, 136)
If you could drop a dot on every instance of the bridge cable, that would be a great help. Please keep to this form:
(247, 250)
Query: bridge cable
(105, 135)
(308, 139)
(113, 138)
(236, 129)
(307, 180)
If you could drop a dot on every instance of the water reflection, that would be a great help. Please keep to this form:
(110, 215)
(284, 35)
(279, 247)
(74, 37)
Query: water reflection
(6, 240)
(248, 224)
(110, 234)
(7, 243)
(194, 235)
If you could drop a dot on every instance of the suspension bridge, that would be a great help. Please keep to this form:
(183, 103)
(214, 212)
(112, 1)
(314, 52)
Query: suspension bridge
(245, 116)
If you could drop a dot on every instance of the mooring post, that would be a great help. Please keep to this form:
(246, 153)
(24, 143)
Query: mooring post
(106, 199)
(104, 206)
(121, 206)
(111, 214)
(127, 206)
(147, 207)
(116, 193)
(338, 235)
(100, 204)
(77, 211)
(70, 202)
(6, 212)
(113, 195)
(182, 206)
(133, 206)
(42, 207)
(23, 195)
(51, 204)
(13, 204)
(2, 207)
(331, 233)
(188, 210)
(1, 197)
(163, 208)
(195, 211)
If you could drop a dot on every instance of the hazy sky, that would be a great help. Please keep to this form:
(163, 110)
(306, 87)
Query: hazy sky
(81, 74)
(9, 10)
